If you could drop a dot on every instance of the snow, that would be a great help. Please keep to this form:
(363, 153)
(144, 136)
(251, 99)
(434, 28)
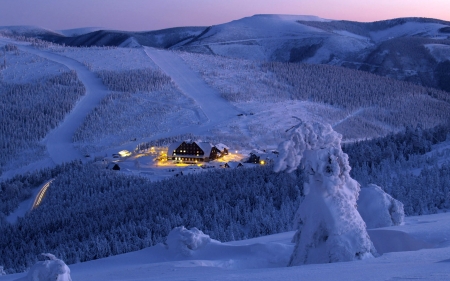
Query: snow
(349, 34)
(23, 67)
(130, 43)
(329, 228)
(379, 209)
(107, 58)
(60, 139)
(78, 31)
(440, 52)
(25, 29)
(420, 249)
(407, 29)
(208, 99)
(49, 270)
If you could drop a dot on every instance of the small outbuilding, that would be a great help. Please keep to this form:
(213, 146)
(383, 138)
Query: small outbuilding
(113, 166)
(233, 165)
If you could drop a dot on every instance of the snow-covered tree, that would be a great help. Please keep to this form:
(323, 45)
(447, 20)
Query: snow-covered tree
(330, 229)
(2, 272)
(379, 209)
(52, 269)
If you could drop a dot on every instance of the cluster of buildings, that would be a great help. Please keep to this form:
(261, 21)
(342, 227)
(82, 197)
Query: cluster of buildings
(195, 152)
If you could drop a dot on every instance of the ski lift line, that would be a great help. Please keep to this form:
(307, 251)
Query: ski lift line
(41, 194)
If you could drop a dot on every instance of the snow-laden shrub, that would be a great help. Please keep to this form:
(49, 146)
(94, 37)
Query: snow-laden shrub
(2, 272)
(379, 209)
(52, 269)
(330, 228)
(185, 241)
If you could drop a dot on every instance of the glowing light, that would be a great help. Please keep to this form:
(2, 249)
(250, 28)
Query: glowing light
(262, 162)
(124, 153)
(41, 194)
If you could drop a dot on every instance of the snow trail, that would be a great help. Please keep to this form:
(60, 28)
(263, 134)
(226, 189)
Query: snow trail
(59, 141)
(209, 100)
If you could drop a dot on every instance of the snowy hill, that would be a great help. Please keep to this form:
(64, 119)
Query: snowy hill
(28, 31)
(160, 39)
(393, 48)
(237, 83)
(417, 250)
(78, 31)
(389, 48)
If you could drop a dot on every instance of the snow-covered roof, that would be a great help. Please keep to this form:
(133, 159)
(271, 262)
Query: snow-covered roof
(205, 146)
(234, 164)
(112, 165)
(172, 147)
(221, 147)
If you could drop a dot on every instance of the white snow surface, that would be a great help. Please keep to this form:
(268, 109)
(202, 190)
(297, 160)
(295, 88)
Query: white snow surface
(59, 141)
(440, 52)
(418, 250)
(25, 29)
(408, 29)
(52, 269)
(379, 209)
(191, 84)
(108, 58)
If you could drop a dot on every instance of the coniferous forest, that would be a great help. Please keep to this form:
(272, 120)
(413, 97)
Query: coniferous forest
(90, 212)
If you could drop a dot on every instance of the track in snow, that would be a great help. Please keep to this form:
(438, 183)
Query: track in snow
(216, 108)
(59, 141)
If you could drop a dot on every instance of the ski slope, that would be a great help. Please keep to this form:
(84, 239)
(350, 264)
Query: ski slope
(59, 141)
(208, 99)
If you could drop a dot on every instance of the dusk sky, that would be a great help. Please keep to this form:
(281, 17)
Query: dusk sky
(157, 14)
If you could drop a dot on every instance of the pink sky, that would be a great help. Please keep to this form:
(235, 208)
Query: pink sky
(158, 14)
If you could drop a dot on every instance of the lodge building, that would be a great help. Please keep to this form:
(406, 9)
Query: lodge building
(193, 152)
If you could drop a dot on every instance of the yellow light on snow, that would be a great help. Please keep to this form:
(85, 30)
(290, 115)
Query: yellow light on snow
(262, 162)
(124, 153)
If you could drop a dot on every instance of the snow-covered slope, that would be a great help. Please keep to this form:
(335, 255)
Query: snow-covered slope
(393, 48)
(417, 250)
(78, 31)
(27, 30)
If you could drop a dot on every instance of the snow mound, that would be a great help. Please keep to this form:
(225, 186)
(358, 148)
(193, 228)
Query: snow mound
(379, 209)
(183, 241)
(52, 269)
(388, 241)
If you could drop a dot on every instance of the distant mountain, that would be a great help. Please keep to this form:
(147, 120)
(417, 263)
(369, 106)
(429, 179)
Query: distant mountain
(164, 38)
(27, 31)
(410, 49)
(398, 48)
(78, 31)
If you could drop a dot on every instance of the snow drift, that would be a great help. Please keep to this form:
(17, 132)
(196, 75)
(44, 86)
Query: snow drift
(183, 241)
(379, 209)
(330, 229)
(52, 269)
